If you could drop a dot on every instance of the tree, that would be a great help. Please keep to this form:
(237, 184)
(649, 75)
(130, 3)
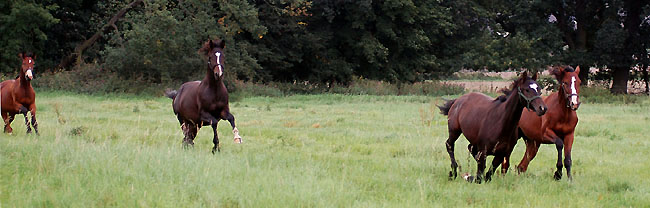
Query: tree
(23, 26)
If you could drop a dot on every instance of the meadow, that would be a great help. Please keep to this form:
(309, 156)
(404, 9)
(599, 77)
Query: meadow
(326, 150)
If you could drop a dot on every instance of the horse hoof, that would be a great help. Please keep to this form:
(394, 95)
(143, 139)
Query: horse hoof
(451, 175)
(557, 176)
(238, 140)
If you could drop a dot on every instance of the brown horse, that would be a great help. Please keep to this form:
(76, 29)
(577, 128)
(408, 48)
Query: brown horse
(18, 97)
(556, 126)
(203, 103)
(490, 125)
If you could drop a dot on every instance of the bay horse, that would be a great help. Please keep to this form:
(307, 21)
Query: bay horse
(557, 126)
(18, 96)
(203, 103)
(490, 125)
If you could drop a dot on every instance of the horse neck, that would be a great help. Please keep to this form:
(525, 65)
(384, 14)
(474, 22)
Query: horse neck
(23, 81)
(513, 109)
(562, 99)
(211, 81)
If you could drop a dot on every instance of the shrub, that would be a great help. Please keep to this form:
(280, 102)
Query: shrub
(431, 88)
(596, 94)
(472, 76)
(91, 79)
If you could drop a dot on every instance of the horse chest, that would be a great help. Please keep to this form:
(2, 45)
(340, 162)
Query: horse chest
(213, 106)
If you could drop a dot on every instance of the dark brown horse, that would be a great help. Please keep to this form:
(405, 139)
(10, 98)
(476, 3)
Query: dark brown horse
(18, 97)
(556, 126)
(490, 125)
(205, 103)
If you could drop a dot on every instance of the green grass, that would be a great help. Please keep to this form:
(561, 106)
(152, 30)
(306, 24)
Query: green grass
(303, 151)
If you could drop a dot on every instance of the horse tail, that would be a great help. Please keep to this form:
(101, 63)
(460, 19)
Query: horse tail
(444, 109)
(171, 93)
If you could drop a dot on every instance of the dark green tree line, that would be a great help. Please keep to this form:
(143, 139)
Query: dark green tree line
(332, 41)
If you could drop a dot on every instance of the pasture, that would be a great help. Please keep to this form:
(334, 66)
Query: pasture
(304, 151)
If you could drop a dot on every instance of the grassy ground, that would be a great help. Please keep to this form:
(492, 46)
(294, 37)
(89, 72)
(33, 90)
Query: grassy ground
(303, 151)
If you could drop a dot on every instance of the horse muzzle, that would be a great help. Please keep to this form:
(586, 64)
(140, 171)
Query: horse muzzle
(574, 106)
(28, 75)
(541, 110)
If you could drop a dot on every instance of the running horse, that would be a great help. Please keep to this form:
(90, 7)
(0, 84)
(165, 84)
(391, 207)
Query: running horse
(205, 103)
(557, 126)
(18, 97)
(490, 125)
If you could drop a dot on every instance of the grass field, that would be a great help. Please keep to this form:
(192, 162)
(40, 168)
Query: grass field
(303, 151)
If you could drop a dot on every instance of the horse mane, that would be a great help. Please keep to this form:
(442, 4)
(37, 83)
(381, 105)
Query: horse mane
(205, 48)
(507, 91)
(209, 45)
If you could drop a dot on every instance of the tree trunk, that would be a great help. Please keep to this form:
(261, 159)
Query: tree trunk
(645, 70)
(76, 56)
(620, 76)
(584, 75)
(581, 39)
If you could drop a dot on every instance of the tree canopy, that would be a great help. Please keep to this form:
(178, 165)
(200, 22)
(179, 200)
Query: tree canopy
(330, 41)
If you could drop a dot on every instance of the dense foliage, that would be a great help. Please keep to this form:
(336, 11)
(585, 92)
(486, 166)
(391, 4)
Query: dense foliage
(331, 41)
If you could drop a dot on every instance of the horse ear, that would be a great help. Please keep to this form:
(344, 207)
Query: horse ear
(522, 77)
(222, 44)
(578, 69)
(535, 76)
(557, 72)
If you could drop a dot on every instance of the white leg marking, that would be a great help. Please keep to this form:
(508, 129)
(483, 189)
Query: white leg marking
(238, 138)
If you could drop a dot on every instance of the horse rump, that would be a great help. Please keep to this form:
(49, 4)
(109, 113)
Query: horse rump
(444, 109)
(171, 93)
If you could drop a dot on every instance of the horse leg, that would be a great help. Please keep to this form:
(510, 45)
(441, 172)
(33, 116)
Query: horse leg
(532, 147)
(496, 161)
(8, 119)
(480, 159)
(505, 165)
(558, 145)
(29, 129)
(207, 117)
(5, 119)
(226, 115)
(34, 123)
(453, 136)
(568, 143)
(189, 130)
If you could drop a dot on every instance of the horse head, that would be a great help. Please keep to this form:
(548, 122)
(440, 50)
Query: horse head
(213, 49)
(530, 93)
(27, 67)
(569, 84)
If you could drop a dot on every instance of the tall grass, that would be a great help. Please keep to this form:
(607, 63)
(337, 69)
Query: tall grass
(302, 151)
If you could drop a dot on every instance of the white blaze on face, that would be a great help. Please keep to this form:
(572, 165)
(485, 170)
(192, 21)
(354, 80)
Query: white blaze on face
(574, 92)
(218, 54)
(533, 86)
